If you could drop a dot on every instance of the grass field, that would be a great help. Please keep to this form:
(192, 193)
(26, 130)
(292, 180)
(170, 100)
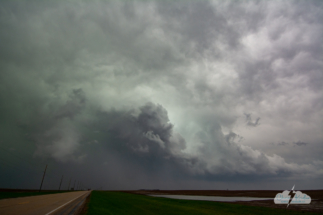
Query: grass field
(6, 195)
(102, 202)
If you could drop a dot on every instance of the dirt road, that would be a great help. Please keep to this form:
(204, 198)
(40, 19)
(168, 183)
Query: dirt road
(51, 204)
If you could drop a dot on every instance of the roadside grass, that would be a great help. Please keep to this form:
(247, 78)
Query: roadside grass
(104, 202)
(7, 195)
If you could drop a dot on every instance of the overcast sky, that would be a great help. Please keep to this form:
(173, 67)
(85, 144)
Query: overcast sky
(162, 94)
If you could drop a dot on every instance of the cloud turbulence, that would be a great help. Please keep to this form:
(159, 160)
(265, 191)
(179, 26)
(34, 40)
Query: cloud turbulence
(162, 94)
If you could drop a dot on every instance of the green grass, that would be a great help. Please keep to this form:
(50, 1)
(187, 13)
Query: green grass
(7, 195)
(124, 203)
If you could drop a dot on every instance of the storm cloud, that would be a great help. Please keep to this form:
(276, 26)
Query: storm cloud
(152, 94)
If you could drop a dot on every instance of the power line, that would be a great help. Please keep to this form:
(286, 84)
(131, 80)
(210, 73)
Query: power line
(60, 183)
(43, 179)
(68, 188)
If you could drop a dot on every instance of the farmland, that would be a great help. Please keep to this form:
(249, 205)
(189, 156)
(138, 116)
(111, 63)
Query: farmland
(104, 202)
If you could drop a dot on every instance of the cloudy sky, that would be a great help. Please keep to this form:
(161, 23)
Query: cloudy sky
(162, 94)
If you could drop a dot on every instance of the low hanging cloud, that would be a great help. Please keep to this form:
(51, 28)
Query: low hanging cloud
(60, 142)
(73, 106)
(146, 134)
(61, 139)
(146, 130)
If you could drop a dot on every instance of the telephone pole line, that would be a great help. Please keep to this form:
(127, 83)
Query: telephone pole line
(68, 188)
(43, 178)
(60, 183)
(74, 185)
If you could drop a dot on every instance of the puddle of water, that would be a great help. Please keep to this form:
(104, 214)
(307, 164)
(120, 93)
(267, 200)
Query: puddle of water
(212, 198)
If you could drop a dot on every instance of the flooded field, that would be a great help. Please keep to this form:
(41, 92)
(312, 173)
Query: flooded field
(263, 198)
(212, 198)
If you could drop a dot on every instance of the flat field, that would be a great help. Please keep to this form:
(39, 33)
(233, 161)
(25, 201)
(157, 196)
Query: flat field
(105, 202)
(315, 206)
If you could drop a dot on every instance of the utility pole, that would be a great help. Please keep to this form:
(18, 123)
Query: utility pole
(60, 183)
(43, 178)
(68, 188)
(74, 185)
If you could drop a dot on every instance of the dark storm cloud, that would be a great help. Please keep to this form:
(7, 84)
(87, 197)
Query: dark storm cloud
(199, 24)
(157, 91)
(73, 106)
(150, 132)
(144, 137)
(58, 137)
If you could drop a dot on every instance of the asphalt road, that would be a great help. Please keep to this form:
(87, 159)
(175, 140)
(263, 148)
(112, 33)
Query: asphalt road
(51, 204)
